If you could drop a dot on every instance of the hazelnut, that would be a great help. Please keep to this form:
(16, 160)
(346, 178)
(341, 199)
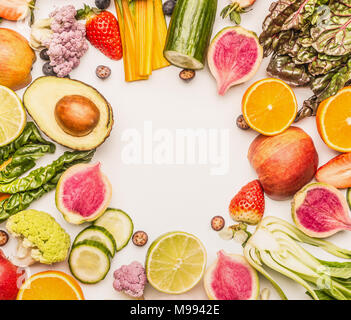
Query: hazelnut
(77, 115)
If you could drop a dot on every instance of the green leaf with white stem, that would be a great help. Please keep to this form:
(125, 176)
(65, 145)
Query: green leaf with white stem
(275, 244)
(275, 224)
(251, 256)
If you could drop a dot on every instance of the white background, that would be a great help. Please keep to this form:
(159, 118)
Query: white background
(167, 198)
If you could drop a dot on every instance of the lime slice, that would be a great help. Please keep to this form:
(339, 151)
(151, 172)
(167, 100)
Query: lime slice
(12, 116)
(175, 262)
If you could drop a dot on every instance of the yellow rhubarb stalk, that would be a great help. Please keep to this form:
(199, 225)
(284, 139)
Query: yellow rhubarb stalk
(159, 37)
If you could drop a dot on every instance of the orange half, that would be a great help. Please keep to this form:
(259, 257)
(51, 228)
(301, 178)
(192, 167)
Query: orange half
(269, 106)
(334, 120)
(50, 285)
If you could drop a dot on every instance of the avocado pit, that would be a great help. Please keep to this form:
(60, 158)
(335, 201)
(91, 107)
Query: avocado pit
(77, 115)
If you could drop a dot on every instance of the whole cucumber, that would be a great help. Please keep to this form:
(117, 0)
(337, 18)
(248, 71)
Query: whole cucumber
(189, 33)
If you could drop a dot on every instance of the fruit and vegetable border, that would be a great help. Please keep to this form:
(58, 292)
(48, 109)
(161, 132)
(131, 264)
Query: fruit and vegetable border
(307, 42)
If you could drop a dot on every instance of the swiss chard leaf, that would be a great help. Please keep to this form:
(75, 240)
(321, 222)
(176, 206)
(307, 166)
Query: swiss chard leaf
(279, 11)
(284, 68)
(332, 32)
(300, 17)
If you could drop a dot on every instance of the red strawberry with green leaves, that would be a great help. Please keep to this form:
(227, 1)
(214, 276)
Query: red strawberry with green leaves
(102, 31)
(248, 205)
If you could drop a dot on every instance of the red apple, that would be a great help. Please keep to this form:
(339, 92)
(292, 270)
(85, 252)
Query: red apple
(284, 163)
(10, 279)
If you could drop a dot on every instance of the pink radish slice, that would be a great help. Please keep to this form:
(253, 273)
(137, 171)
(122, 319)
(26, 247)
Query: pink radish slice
(231, 278)
(88, 183)
(320, 210)
(234, 57)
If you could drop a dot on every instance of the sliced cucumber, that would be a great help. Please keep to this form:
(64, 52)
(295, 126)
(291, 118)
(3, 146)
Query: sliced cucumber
(119, 224)
(89, 261)
(99, 234)
(348, 197)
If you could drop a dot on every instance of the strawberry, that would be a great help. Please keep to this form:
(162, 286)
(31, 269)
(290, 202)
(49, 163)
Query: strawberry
(102, 31)
(15, 9)
(234, 9)
(336, 172)
(248, 205)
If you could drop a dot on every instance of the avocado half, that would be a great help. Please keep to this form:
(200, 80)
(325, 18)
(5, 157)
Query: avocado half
(40, 100)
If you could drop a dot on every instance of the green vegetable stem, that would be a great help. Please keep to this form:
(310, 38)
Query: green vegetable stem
(275, 244)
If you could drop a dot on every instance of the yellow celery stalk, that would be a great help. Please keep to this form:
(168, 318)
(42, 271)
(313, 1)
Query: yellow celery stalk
(144, 22)
(159, 37)
(127, 29)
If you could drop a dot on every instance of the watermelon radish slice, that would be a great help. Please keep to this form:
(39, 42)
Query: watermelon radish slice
(234, 57)
(320, 210)
(231, 278)
(83, 193)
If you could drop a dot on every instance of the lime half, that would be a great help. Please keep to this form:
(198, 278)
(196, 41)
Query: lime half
(175, 262)
(12, 116)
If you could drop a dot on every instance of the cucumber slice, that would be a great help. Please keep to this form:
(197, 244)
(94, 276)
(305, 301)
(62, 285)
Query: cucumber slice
(99, 234)
(348, 197)
(119, 224)
(89, 261)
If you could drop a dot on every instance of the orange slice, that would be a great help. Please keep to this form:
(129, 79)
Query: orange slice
(50, 285)
(269, 106)
(334, 120)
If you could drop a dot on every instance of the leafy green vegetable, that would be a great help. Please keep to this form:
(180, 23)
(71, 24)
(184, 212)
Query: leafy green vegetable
(30, 135)
(275, 245)
(284, 68)
(21, 200)
(310, 39)
(23, 152)
(36, 178)
(24, 160)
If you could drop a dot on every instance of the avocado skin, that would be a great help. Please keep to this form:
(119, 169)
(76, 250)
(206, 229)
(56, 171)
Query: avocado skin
(76, 146)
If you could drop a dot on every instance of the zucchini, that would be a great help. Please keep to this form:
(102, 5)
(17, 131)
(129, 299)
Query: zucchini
(119, 224)
(89, 261)
(348, 197)
(189, 33)
(99, 234)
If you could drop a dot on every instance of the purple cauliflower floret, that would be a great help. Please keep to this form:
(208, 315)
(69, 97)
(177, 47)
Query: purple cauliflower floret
(67, 43)
(130, 279)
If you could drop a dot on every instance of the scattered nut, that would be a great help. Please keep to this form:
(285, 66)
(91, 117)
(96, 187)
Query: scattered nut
(4, 238)
(103, 72)
(241, 123)
(140, 238)
(217, 223)
(187, 75)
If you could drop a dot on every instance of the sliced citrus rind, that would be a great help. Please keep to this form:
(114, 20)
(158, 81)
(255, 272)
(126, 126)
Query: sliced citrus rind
(12, 116)
(334, 121)
(269, 106)
(175, 262)
(27, 292)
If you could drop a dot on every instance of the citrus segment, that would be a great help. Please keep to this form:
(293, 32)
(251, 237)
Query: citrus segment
(50, 285)
(12, 116)
(334, 121)
(175, 262)
(269, 106)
